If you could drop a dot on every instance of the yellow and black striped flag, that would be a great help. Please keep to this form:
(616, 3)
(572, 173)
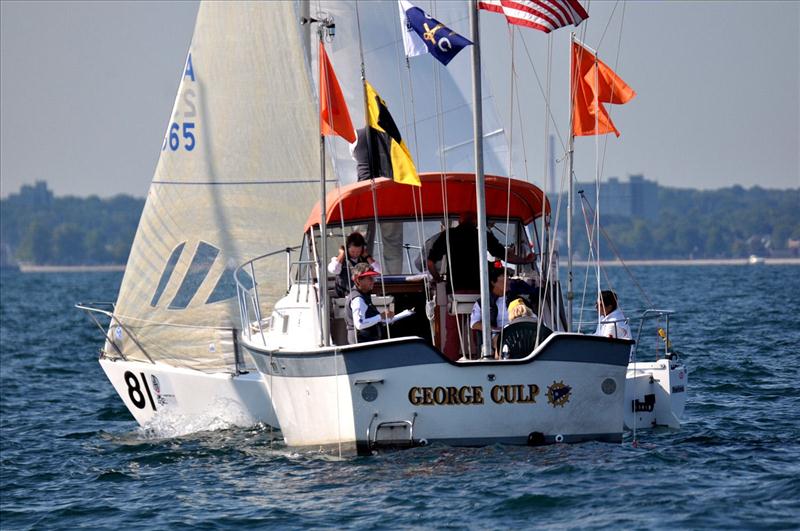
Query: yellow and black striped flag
(382, 126)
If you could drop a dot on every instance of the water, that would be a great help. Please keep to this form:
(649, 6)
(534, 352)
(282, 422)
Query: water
(71, 455)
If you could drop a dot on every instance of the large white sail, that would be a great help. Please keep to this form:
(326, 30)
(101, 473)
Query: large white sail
(237, 176)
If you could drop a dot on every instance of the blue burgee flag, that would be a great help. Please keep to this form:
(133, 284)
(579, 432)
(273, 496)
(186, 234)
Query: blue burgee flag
(441, 42)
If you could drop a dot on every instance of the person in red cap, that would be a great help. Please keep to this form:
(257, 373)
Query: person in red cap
(364, 321)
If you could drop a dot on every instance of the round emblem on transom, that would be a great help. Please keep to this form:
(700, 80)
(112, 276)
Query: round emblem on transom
(369, 392)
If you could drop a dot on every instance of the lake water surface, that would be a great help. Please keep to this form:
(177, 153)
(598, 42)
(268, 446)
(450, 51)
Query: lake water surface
(72, 456)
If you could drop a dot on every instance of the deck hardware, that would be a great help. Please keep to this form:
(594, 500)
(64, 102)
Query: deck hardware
(367, 382)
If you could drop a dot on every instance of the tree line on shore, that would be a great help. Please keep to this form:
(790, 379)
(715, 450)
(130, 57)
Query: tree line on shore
(730, 222)
(726, 223)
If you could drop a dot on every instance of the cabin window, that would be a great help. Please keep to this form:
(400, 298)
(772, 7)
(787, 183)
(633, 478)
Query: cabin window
(506, 233)
(201, 264)
(167, 273)
(405, 243)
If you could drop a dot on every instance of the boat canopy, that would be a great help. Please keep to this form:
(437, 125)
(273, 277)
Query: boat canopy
(354, 201)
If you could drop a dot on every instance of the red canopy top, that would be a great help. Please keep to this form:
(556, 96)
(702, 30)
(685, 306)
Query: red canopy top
(527, 202)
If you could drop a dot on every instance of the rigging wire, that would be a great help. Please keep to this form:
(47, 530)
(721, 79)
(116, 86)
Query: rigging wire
(378, 233)
(600, 160)
(418, 214)
(511, 35)
(616, 67)
(616, 252)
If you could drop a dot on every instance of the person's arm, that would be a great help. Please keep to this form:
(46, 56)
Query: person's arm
(433, 271)
(359, 309)
(605, 330)
(437, 252)
(374, 264)
(498, 251)
(494, 246)
(475, 317)
(335, 265)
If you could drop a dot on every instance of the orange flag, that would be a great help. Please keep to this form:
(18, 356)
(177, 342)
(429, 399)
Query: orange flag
(334, 117)
(593, 84)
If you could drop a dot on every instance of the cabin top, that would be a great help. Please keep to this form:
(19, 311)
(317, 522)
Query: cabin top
(526, 202)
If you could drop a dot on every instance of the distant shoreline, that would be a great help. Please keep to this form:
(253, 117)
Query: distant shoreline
(696, 262)
(31, 268)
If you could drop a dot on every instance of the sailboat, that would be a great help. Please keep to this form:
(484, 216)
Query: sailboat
(403, 391)
(232, 179)
(203, 334)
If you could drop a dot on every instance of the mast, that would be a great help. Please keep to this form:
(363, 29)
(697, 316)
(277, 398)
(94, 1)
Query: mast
(477, 125)
(570, 148)
(325, 26)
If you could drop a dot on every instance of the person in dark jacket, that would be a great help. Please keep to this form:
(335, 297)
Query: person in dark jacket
(364, 321)
(342, 264)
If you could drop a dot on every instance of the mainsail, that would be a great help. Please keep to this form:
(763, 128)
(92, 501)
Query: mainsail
(237, 175)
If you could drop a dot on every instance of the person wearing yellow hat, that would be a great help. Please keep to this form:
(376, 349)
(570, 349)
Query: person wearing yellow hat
(518, 310)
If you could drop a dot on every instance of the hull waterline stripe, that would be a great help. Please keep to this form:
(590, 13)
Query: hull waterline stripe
(415, 352)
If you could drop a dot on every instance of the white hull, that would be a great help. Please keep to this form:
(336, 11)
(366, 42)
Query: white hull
(404, 393)
(655, 394)
(179, 400)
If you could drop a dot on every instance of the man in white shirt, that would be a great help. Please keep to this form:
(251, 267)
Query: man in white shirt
(612, 322)
(498, 310)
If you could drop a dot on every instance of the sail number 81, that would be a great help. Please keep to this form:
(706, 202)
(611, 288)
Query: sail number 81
(176, 131)
(136, 391)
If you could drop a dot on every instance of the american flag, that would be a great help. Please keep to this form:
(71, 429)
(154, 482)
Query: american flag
(543, 15)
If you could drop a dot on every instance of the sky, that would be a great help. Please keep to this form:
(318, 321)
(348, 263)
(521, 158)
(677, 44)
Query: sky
(86, 89)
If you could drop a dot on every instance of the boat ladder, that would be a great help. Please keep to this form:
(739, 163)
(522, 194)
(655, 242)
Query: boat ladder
(392, 433)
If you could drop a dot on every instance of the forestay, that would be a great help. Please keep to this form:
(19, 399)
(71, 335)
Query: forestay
(238, 173)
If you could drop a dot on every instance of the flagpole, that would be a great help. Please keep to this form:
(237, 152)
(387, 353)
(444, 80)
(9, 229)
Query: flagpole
(323, 225)
(477, 125)
(570, 148)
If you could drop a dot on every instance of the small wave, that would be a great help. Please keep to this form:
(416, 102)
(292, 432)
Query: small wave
(115, 412)
(533, 502)
(81, 435)
(114, 476)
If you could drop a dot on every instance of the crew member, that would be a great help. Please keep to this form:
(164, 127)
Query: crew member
(342, 264)
(498, 310)
(612, 321)
(364, 321)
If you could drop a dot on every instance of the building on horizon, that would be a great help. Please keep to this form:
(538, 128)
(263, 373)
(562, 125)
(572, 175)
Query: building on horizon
(635, 198)
(34, 195)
